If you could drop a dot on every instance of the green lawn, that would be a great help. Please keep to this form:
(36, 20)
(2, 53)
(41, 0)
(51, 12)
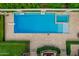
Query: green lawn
(1, 27)
(14, 48)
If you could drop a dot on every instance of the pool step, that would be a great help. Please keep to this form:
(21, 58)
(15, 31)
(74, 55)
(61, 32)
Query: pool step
(43, 12)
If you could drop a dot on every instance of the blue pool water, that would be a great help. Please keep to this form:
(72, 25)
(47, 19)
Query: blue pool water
(37, 23)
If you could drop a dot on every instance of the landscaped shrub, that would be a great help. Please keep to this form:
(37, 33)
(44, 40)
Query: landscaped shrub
(55, 5)
(73, 5)
(52, 48)
(68, 46)
(38, 5)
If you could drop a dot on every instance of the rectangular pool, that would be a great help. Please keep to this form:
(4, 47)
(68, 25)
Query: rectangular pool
(36, 23)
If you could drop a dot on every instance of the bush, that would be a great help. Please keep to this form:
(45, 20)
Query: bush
(39, 50)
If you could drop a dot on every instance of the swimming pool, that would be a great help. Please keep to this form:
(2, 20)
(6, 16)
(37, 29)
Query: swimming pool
(37, 23)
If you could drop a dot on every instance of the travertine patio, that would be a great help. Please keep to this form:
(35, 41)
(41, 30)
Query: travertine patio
(38, 40)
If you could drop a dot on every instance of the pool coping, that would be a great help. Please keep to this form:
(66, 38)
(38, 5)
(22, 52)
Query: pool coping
(42, 9)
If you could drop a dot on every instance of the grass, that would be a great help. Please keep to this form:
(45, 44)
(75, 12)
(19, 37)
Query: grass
(14, 48)
(68, 46)
(1, 27)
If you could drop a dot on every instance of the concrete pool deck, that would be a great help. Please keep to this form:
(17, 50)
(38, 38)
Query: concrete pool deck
(38, 40)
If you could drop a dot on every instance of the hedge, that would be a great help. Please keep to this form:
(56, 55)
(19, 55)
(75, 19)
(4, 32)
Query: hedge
(52, 48)
(73, 5)
(68, 46)
(38, 5)
(1, 27)
(30, 5)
